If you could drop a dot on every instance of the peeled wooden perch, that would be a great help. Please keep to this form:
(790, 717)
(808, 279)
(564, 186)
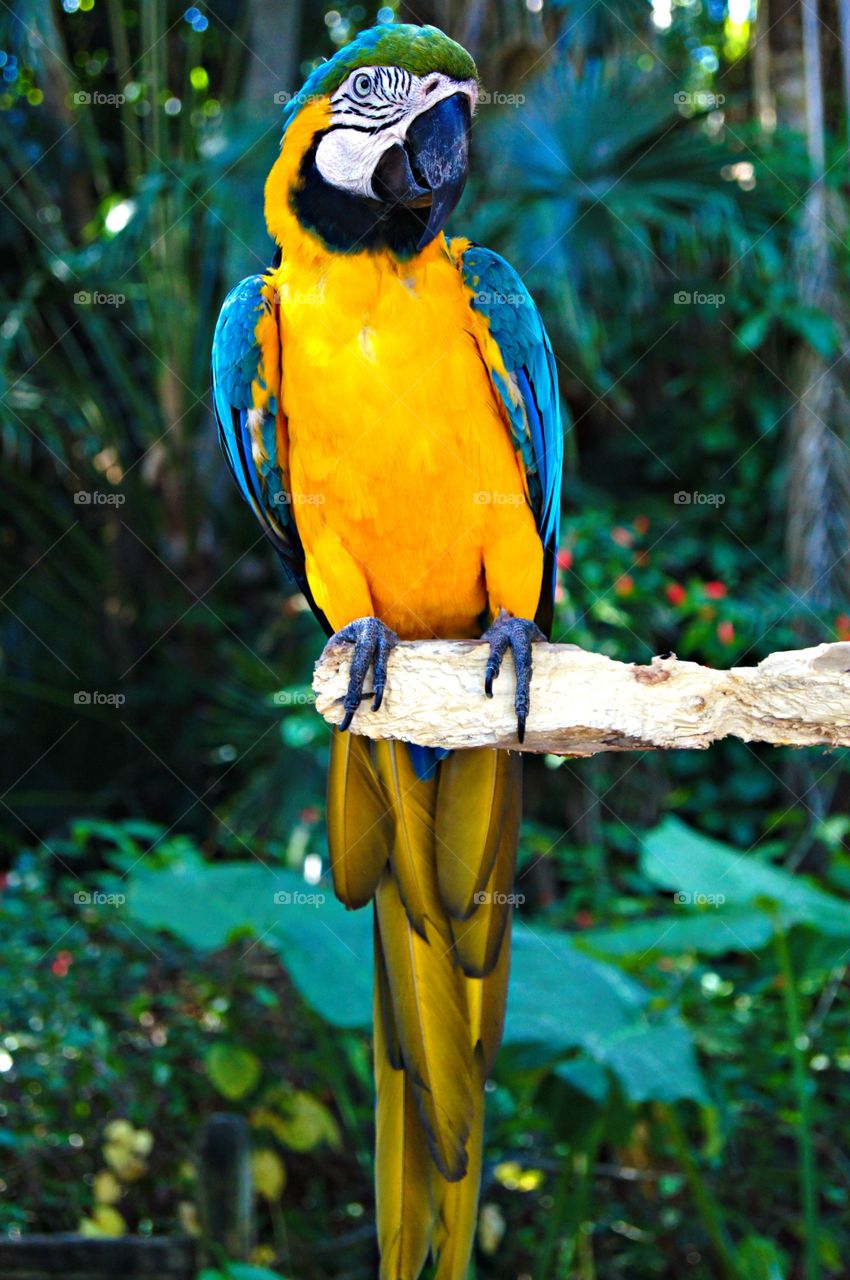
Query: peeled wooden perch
(583, 702)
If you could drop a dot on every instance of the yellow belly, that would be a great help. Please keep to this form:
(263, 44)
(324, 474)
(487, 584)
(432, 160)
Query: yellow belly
(403, 477)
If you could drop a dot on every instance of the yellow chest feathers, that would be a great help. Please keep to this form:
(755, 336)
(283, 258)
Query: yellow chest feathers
(381, 363)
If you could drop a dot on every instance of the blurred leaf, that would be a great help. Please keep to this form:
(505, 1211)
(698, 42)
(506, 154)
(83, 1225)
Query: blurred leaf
(585, 1076)
(300, 1121)
(239, 1271)
(105, 1221)
(269, 1173)
(678, 858)
(315, 936)
(816, 327)
(656, 1063)
(712, 932)
(762, 1259)
(234, 1071)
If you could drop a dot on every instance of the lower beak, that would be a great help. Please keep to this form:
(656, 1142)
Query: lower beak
(432, 166)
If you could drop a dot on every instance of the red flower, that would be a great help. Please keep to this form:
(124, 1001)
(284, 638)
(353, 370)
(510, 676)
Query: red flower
(584, 919)
(565, 559)
(715, 590)
(309, 815)
(622, 537)
(675, 592)
(62, 963)
(641, 523)
(842, 626)
(725, 633)
(625, 585)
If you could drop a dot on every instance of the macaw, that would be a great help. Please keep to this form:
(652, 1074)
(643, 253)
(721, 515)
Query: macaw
(387, 402)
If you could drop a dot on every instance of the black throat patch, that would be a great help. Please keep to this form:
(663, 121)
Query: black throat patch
(349, 223)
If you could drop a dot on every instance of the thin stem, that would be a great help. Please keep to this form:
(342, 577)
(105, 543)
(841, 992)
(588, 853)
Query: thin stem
(801, 1078)
(569, 1210)
(710, 1211)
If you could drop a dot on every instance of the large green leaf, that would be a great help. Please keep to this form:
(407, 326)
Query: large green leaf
(656, 1063)
(675, 857)
(709, 932)
(561, 999)
(326, 949)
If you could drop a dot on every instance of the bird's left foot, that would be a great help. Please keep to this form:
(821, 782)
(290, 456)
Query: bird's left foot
(518, 635)
(373, 643)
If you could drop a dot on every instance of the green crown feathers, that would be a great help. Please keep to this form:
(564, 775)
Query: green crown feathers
(416, 49)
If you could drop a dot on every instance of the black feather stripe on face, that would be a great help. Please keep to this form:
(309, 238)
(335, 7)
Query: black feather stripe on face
(387, 95)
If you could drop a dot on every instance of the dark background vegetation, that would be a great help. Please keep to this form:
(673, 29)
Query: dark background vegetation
(672, 1100)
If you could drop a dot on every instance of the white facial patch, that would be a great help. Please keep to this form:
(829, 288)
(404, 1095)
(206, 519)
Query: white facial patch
(371, 112)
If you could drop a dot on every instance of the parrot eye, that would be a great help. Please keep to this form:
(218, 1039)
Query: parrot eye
(362, 85)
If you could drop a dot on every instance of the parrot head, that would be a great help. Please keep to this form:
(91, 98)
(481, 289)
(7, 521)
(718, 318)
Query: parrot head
(375, 145)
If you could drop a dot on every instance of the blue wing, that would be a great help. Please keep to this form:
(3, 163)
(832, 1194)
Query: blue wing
(246, 405)
(530, 395)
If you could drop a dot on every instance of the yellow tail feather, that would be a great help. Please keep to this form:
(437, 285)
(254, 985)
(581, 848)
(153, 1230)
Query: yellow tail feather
(457, 1202)
(430, 1010)
(360, 824)
(441, 976)
(475, 788)
(478, 939)
(412, 802)
(403, 1168)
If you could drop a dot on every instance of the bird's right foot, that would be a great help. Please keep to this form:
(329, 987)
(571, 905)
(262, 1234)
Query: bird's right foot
(373, 644)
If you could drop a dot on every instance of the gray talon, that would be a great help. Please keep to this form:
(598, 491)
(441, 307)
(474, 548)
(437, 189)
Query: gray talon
(373, 644)
(518, 635)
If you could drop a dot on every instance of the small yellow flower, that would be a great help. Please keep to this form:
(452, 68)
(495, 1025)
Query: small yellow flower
(263, 1255)
(105, 1221)
(107, 1188)
(119, 1131)
(269, 1174)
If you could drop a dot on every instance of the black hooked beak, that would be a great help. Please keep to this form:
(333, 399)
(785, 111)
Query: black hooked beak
(432, 166)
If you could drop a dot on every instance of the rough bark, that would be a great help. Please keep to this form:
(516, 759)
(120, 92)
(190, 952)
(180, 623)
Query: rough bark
(584, 703)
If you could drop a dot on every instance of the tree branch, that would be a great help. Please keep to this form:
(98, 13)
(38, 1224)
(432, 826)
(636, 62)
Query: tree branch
(583, 703)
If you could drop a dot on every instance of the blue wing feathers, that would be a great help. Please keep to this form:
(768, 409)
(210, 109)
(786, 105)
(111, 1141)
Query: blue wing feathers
(236, 365)
(517, 329)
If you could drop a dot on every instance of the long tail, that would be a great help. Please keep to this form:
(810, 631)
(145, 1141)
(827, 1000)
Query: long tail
(439, 855)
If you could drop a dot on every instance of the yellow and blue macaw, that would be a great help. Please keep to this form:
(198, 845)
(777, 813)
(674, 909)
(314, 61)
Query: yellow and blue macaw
(388, 404)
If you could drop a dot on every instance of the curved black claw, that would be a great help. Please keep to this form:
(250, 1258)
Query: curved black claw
(518, 635)
(373, 644)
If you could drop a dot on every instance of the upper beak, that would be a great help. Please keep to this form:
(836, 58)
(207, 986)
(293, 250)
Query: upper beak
(433, 163)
